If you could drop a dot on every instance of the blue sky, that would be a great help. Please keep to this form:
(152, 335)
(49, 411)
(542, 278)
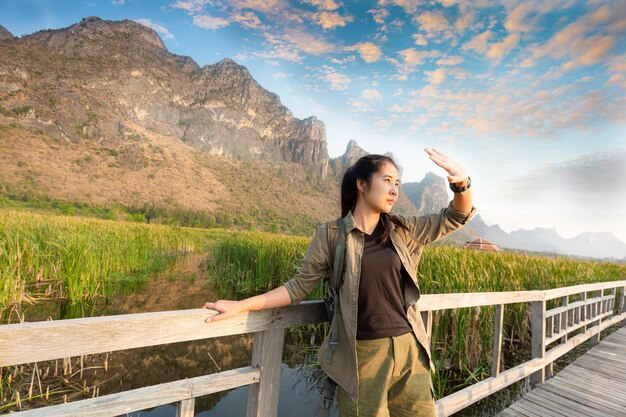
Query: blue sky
(529, 95)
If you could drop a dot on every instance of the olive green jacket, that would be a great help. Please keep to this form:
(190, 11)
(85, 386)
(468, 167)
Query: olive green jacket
(409, 244)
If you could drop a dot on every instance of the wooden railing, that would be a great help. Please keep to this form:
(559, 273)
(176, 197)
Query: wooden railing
(41, 341)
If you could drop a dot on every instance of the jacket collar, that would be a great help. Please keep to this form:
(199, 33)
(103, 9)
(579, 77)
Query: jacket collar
(349, 222)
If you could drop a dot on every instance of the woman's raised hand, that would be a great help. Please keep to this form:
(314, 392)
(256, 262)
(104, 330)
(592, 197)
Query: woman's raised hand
(226, 308)
(456, 172)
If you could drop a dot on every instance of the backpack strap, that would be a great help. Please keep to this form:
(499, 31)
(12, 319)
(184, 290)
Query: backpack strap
(336, 278)
(336, 235)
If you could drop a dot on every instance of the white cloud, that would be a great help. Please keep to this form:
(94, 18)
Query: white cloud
(117, 2)
(360, 106)
(479, 42)
(369, 51)
(371, 95)
(281, 75)
(580, 42)
(191, 6)
(337, 81)
(398, 108)
(308, 43)
(437, 77)
(349, 58)
(379, 15)
(450, 60)
(420, 40)
(158, 28)
(588, 181)
(210, 22)
(331, 20)
(248, 20)
(432, 22)
(498, 50)
(323, 4)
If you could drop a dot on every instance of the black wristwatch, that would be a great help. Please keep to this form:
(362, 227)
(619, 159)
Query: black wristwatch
(466, 187)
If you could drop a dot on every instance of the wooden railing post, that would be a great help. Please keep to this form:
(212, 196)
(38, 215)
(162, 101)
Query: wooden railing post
(538, 339)
(185, 408)
(598, 310)
(267, 352)
(497, 341)
(427, 319)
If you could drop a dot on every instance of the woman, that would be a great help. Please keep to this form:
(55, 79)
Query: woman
(382, 362)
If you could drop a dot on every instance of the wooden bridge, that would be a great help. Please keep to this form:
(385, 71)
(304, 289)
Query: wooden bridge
(584, 311)
(594, 385)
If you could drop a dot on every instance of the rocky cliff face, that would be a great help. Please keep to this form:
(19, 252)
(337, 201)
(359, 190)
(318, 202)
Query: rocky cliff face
(98, 80)
(5, 34)
(351, 155)
(428, 195)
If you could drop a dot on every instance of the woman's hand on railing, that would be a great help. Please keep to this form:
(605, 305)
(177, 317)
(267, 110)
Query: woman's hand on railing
(278, 297)
(226, 308)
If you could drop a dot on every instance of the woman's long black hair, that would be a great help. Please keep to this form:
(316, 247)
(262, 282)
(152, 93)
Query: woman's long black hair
(364, 168)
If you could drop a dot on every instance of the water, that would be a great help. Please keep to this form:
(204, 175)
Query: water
(297, 397)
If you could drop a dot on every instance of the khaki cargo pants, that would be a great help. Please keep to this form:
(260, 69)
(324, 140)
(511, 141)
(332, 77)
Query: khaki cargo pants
(394, 380)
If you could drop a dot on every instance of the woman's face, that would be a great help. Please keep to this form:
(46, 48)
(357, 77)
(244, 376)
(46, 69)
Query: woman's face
(382, 192)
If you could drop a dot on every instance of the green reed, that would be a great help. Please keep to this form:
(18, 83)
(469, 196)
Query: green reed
(250, 263)
(78, 258)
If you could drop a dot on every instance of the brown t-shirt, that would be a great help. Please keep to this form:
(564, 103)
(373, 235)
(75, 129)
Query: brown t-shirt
(381, 303)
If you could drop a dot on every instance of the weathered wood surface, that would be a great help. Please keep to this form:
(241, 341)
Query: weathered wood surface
(22, 343)
(148, 397)
(593, 385)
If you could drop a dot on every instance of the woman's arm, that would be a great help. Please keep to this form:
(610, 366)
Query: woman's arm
(277, 297)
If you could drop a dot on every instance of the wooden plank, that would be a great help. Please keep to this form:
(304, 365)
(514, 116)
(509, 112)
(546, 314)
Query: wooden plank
(592, 378)
(429, 302)
(565, 319)
(148, 397)
(537, 408)
(549, 405)
(270, 350)
(185, 408)
(568, 404)
(591, 386)
(522, 410)
(576, 289)
(496, 356)
(592, 401)
(538, 346)
(22, 343)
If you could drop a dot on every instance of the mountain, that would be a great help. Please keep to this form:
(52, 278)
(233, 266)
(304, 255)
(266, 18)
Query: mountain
(5, 34)
(100, 80)
(100, 113)
(351, 155)
(429, 195)
(595, 245)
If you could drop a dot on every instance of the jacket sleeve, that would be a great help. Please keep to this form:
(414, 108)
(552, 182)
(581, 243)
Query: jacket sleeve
(432, 227)
(315, 265)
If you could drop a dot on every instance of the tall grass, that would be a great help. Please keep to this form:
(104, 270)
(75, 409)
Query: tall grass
(251, 263)
(80, 258)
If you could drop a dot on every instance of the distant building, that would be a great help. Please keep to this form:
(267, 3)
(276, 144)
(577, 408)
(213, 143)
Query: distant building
(481, 244)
